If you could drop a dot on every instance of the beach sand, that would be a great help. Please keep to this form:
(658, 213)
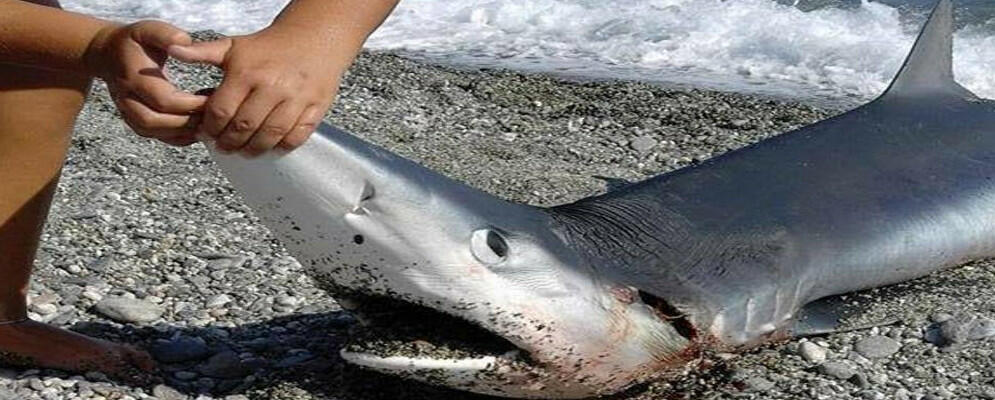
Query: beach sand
(138, 219)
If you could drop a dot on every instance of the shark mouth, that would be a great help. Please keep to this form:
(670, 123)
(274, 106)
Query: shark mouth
(417, 342)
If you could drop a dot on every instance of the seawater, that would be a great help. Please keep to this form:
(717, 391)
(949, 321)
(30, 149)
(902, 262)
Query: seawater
(824, 50)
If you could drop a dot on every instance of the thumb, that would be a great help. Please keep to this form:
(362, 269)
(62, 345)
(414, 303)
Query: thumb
(212, 52)
(159, 35)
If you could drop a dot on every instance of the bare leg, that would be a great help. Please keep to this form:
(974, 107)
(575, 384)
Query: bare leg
(37, 112)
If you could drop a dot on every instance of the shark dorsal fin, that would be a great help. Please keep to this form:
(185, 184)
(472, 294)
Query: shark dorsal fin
(928, 70)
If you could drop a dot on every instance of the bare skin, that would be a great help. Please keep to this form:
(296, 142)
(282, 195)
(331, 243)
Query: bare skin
(33, 144)
(278, 84)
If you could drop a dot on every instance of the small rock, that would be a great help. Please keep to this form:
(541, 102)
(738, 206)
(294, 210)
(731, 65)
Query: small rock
(123, 309)
(163, 392)
(757, 384)
(812, 352)
(92, 295)
(224, 365)
(860, 380)
(902, 394)
(206, 383)
(643, 144)
(981, 328)
(877, 347)
(185, 375)
(941, 317)
(45, 309)
(872, 395)
(837, 370)
(287, 301)
(944, 393)
(228, 262)
(295, 359)
(218, 301)
(181, 349)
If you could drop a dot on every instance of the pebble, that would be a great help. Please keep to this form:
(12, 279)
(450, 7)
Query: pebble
(218, 301)
(836, 369)
(163, 392)
(181, 349)
(92, 295)
(123, 309)
(812, 352)
(44, 309)
(224, 365)
(757, 384)
(287, 301)
(643, 144)
(185, 375)
(875, 347)
(860, 380)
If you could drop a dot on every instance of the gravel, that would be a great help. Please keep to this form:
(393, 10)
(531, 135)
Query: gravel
(141, 226)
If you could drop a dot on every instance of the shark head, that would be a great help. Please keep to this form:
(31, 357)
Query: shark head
(461, 288)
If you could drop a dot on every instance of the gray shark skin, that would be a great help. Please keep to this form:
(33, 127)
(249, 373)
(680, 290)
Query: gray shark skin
(640, 283)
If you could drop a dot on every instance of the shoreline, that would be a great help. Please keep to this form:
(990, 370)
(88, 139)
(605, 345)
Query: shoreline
(141, 220)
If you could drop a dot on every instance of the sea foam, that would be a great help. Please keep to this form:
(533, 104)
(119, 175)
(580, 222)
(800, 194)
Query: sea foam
(758, 46)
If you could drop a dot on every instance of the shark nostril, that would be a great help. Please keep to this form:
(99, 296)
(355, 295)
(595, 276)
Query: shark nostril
(488, 246)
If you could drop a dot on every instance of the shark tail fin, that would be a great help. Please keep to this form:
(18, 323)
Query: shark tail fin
(928, 70)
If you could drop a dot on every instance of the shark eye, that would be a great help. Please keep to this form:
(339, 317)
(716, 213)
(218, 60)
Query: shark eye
(488, 246)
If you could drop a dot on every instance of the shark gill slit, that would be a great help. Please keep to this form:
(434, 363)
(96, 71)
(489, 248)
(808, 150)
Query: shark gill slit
(614, 232)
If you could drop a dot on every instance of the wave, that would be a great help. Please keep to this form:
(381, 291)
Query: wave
(759, 46)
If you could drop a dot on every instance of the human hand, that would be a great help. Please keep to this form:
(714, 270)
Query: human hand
(275, 90)
(131, 60)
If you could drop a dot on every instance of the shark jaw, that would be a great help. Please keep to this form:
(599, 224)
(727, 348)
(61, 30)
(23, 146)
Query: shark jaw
(422, 343)
(365, 221)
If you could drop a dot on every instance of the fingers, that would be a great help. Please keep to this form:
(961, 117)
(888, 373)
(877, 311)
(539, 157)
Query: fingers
(248, 119)
(277, 125)
(305, 126)
(141, 68)
(159, 35)
(149, 123)
(213, 52)
(222, 106)
(162, 96)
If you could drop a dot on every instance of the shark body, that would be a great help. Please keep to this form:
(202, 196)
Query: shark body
(594, 296)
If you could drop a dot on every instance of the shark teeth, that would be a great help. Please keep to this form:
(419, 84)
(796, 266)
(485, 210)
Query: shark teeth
(504, 375)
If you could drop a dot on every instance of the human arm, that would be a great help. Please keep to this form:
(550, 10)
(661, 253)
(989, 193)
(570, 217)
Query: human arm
(280, 81)
(128, 57)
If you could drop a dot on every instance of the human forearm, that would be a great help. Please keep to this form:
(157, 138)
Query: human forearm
(46, 37)
(338, 27)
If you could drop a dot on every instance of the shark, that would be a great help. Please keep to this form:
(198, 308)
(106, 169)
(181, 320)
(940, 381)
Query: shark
(647, 280)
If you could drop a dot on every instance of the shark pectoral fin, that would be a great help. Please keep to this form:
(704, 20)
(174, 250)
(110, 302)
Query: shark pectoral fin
(928, 70)
(834, 314)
